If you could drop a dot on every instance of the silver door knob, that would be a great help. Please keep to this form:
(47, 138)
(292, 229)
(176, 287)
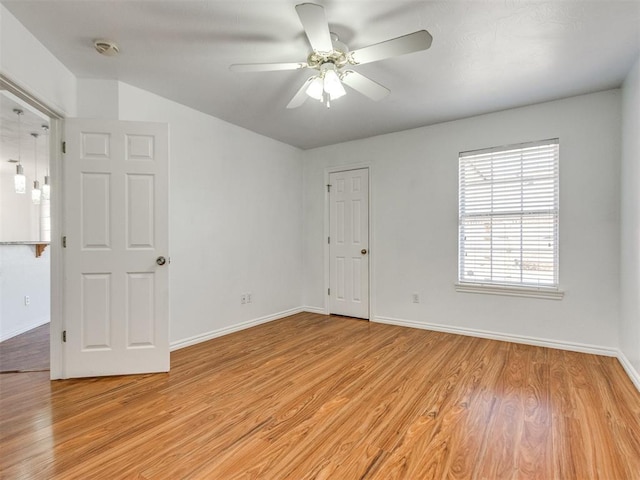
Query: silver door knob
(363, 251)
(161, 260)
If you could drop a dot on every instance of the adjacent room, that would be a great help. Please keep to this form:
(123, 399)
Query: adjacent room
(25, 233)
(343, 240)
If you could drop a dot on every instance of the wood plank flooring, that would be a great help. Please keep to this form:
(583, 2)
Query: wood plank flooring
(26, 352)
(315, 397)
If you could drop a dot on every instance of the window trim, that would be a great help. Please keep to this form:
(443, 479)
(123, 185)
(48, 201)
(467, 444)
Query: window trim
(549, 293)
(512, 289)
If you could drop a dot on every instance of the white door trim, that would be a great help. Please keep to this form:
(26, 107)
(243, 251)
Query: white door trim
(56, 366)
(56, 325)
(372, 247)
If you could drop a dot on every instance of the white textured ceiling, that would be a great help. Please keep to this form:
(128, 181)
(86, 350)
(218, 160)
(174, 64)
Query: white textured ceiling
(486, 56)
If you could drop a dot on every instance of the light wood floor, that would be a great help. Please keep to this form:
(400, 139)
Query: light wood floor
(331, 398)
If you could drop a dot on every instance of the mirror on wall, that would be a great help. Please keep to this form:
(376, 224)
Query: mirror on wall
(23, 137)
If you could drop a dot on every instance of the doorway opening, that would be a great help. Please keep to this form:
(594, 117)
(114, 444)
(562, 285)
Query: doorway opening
(26, 252)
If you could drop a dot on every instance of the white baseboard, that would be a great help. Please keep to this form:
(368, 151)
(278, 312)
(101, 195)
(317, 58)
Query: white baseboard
(23, 329)
(231, 329)
(634, 375)
(538, 342)
(318, 310)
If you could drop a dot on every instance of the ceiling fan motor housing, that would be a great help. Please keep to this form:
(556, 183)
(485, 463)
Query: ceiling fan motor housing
(339, 56)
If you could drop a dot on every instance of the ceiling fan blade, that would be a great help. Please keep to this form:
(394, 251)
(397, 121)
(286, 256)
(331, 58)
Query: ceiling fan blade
(413, 42)
(314, 22)
(265, 67)
(301, 95)
(365, 85)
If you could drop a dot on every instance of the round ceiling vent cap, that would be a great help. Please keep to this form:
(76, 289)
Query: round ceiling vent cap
(106, 47)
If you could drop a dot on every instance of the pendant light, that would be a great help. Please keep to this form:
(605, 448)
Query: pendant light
(19, 181)
(46, 188)
(36, 193)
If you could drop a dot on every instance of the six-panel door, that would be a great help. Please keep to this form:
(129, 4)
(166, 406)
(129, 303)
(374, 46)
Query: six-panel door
(349, 243)
(116, 226)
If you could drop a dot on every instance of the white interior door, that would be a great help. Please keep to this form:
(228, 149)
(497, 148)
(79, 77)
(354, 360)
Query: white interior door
(349, 243)
(115, 213)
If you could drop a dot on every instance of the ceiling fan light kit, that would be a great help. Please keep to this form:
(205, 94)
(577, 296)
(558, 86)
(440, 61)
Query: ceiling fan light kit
(327, 86)
(329, 56)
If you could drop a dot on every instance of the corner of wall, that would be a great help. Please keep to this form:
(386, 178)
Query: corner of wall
(23, 59)
(630, 226)
(633, 374)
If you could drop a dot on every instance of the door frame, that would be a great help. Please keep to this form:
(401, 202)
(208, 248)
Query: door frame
(327, 229)
(56, 351)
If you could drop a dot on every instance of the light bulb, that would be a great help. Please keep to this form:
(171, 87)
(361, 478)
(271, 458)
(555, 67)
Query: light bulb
(20, 181)
(46, 188)
(36, 193)
(314, 90)
(332, 84)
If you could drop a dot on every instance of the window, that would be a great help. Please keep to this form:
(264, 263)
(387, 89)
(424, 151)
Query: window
(508, 216)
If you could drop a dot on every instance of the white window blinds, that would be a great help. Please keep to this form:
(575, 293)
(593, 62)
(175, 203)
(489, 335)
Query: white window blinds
(508, 215)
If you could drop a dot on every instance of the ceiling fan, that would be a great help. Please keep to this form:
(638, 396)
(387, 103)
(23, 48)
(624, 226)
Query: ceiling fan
(332, 59)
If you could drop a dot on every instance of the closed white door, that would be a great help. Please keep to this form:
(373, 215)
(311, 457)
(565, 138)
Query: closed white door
(115, 213)
(349, 243)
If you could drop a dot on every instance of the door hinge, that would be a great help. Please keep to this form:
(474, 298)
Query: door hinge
(64, 242)
(328, 291)
(64, 147)
(64, 336)
(329, 188)
(328, 239)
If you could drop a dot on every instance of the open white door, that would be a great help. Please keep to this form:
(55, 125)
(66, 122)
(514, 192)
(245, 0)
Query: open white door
(115, 251)
(349, 243)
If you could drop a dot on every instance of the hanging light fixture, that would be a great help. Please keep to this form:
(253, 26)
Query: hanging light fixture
(327, 86)
(36, 193)
(19, 181)
(46, 188)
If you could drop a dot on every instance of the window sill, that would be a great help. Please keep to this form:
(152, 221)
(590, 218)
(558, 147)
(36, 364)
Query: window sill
(546, 293)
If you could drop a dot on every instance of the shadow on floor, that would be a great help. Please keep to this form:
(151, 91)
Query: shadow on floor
(28, 352)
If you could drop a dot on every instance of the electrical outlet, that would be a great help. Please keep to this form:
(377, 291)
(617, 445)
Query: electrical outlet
(27, 300)
(243, 298)
(415, 298)
(249, 296)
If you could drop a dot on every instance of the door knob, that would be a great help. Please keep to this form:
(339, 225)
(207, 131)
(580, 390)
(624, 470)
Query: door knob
(161, 260)
(363, 251)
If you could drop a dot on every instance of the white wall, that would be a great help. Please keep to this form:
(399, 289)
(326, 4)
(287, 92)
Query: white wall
(25, 61)
(21, 273)
(630, 221)
(98, 98)
(414, 190)
(235, 218)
